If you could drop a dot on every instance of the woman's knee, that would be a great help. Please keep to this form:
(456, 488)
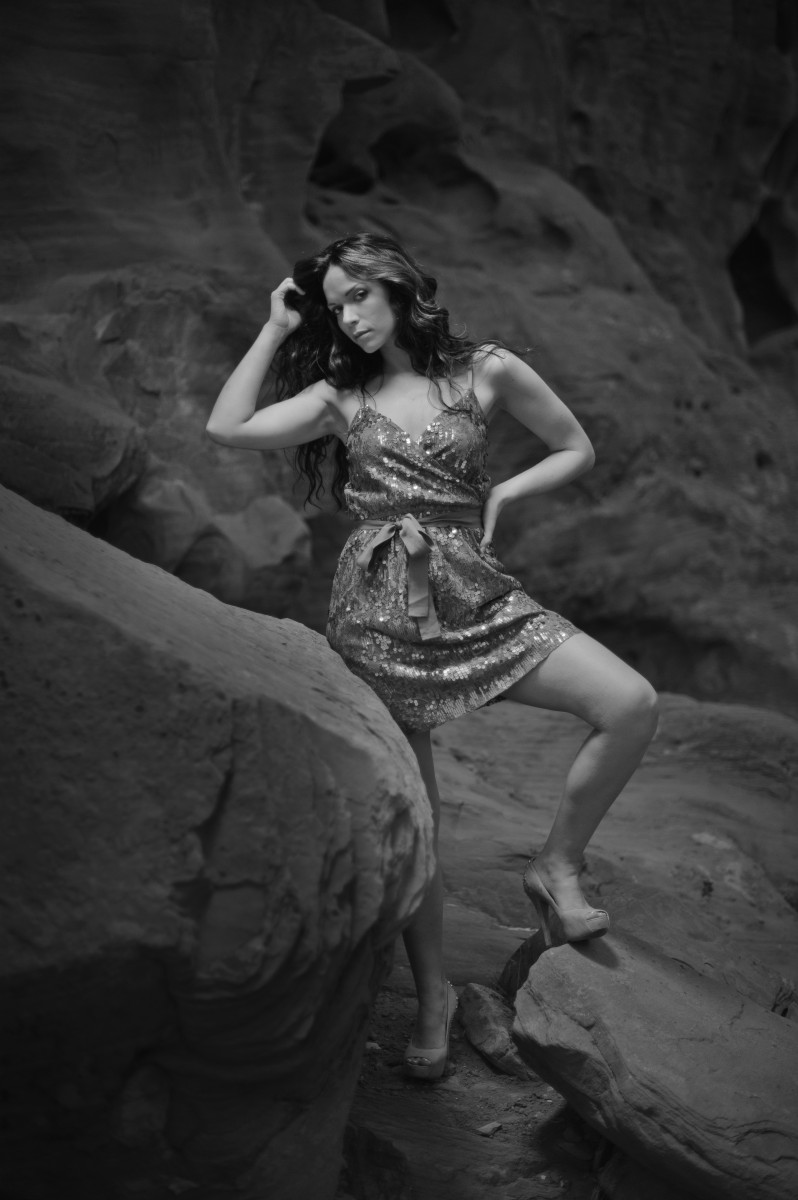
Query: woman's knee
(636, 708)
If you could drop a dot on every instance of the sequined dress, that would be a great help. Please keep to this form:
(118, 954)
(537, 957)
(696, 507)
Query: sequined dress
(491, 632)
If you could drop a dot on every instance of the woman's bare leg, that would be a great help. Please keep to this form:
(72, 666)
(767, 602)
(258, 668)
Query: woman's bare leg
(423, 937)
(582, 677)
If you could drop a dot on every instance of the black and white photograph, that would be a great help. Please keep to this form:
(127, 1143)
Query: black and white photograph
(398, 600)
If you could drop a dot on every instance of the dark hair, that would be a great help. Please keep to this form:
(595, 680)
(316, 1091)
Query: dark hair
(318, 350)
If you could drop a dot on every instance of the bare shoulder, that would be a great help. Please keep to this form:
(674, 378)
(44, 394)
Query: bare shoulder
(507, 378)
(494, 367)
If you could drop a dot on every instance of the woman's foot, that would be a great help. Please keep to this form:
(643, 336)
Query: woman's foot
(428, 1048)
(555, 890)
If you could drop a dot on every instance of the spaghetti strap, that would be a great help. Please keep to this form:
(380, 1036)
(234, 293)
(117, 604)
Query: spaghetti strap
(471, 376)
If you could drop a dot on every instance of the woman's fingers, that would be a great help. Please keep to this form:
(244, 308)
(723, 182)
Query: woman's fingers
(288, 285)
(281, 315)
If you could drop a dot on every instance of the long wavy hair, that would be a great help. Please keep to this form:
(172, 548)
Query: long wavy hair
(319, 350)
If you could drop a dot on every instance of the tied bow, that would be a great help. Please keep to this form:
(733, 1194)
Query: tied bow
(418, 543)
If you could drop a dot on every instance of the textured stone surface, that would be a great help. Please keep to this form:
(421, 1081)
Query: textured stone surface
(256, 558)
(621, 1178)
(373, 1167)
(682, 130)
(686, 934)
(679, 1071)
(212, 834)
(70, 453)
(486, 1018)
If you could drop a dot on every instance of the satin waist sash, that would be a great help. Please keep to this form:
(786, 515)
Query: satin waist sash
(417, 542)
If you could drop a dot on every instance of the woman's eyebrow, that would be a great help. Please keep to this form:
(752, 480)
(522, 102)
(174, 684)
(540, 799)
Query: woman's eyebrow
(351, 288)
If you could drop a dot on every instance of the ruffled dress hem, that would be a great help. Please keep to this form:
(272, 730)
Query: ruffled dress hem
(478, 698)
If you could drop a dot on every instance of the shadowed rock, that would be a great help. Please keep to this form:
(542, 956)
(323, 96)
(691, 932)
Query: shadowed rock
(486, 1018)
(687, 1077)
(213, 832)
(62, 450)
(257, 557)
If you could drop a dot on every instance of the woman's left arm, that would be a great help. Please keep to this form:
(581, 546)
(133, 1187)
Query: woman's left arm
(515, 387)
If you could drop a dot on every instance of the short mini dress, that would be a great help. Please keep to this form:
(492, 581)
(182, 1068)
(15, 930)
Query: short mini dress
(432, 623)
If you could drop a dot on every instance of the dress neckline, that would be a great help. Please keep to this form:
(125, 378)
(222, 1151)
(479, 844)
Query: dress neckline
(416, 442)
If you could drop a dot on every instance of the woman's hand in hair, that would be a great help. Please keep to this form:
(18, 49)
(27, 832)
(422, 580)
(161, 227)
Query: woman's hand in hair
(283, 317)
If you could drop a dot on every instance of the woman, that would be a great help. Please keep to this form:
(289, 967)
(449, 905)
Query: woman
(421, 608)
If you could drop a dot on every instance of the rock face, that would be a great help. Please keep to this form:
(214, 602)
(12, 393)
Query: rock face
(680, 1072)
(486, 1019)
(619, 195)
(63, 451)
(212, 834)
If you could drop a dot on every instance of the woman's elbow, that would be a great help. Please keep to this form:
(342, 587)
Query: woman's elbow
(216, 434)
(587, 456)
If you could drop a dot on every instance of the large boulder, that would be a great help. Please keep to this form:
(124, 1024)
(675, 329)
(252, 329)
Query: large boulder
(62, 450)
(257, 558)
(679, 1071)
(213, 833)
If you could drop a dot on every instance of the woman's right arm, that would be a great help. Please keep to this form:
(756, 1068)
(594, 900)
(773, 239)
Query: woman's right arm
(302, 418)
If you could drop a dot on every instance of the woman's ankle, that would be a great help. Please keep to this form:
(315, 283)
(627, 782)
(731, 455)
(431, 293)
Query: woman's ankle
(431, 994)
(557, 868)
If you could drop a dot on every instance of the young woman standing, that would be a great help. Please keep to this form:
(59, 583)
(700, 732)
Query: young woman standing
(421, 608)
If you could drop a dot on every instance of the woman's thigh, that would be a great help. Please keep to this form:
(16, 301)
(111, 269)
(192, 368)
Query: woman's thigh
(585, 678)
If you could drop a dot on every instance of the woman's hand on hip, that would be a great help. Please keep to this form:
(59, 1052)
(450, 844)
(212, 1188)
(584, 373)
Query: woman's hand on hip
(282, 318)
(490, 515)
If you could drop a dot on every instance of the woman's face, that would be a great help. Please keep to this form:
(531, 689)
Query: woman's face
(361, 309)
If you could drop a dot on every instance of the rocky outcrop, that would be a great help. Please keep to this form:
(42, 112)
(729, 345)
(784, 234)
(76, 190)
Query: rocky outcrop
(213, 832)
(142, 279)
(675, 1069)
(486, 1018)
(682, 134)
(66, 452)
(256, 558)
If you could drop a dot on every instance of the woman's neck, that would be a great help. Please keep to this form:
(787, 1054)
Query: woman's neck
(395, 362)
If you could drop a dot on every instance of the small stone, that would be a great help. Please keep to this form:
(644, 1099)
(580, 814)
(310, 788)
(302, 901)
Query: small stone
(489, 1129)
